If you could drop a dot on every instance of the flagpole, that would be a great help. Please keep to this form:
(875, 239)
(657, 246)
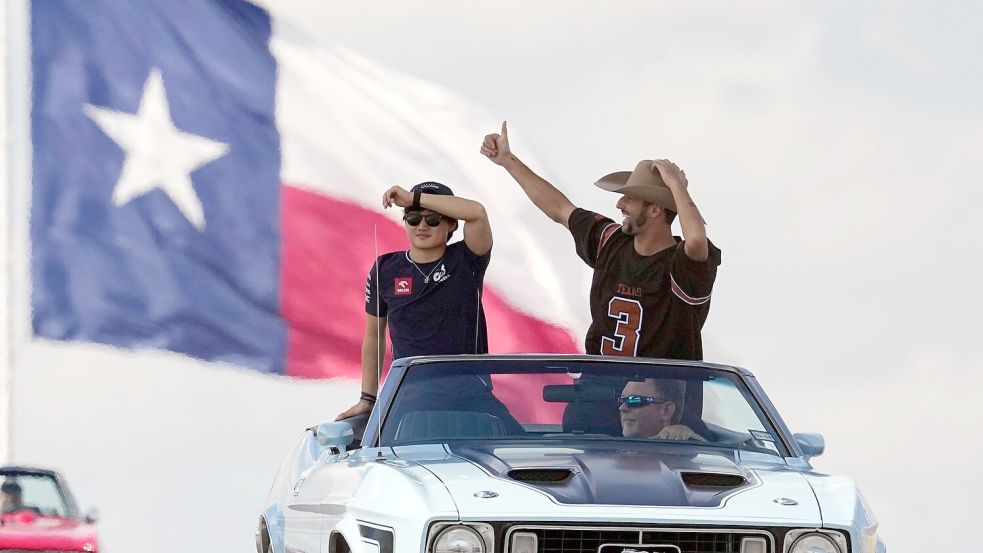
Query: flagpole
(6, 258)
(15, 176)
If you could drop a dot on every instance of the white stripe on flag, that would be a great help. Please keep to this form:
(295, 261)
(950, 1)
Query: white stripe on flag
(351, 128)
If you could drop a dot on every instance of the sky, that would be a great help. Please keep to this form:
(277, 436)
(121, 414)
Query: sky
(833, 149)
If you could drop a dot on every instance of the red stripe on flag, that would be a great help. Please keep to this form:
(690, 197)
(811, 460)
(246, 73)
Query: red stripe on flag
(327, 253)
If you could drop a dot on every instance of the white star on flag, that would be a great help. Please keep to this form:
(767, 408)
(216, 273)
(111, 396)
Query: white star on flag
(158, 155)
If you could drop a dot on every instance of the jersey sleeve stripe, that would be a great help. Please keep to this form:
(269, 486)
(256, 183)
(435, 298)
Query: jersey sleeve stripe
(678, 290)
(606, 235)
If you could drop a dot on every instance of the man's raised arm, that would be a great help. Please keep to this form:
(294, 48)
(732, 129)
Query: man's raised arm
(544, 195)
(477, 229)
(694, 229)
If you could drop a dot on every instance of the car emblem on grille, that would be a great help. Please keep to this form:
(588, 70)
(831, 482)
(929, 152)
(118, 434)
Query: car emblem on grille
(786, 501)
(485, 494)
(637, 548)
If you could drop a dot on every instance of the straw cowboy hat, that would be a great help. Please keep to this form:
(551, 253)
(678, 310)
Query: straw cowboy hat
(644, 183)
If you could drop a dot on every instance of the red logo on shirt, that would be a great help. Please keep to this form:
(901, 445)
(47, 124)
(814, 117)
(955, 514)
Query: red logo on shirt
(403, 286)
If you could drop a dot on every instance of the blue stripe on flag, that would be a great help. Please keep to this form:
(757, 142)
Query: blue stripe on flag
(156, 194)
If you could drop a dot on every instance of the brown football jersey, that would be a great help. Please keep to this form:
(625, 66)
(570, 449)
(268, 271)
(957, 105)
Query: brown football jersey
(642, 306)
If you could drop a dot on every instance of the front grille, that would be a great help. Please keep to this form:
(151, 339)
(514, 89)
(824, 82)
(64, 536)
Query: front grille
(688, 540)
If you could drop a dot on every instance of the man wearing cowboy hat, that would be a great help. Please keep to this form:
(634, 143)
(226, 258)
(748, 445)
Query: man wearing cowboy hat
(650, 293)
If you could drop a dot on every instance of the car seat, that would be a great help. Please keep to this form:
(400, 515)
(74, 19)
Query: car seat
(423, 425)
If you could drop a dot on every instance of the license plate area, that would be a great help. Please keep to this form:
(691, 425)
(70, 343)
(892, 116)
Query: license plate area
(637, 548)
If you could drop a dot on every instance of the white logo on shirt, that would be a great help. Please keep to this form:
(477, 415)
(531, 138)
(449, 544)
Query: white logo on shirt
(441, 274)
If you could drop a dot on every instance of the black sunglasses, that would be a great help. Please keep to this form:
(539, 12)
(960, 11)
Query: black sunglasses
(413, 218)
(640, 401)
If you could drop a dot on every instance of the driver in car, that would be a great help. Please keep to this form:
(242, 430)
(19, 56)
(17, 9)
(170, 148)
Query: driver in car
(13, 498)
(652, 409)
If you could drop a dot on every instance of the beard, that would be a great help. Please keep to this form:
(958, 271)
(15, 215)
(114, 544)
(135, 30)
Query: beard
(633, 223)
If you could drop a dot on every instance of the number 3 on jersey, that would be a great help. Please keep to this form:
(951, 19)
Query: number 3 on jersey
(628, 314)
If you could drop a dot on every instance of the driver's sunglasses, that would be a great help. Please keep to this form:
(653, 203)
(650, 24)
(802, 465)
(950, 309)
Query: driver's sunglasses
(640, 401)
(413, 218)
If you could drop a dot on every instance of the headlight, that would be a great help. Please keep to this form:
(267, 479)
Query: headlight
(459, 539)
(814, 543)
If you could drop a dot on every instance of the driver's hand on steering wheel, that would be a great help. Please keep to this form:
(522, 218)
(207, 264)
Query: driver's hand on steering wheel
(679, 432)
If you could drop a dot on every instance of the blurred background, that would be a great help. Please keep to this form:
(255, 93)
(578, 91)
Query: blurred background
(165, 346)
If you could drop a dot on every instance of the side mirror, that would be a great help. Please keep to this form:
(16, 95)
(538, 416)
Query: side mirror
(334, 435)
(91, 516)
(812, 445)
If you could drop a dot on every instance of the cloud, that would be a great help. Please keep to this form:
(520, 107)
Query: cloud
(906, 433)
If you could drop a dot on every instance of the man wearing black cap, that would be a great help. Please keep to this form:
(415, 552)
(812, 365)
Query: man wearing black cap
(650, 293)
(429, 295)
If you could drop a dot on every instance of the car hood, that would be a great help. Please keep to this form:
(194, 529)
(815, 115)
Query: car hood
(627, 481)
(612, 474)
(44, 532)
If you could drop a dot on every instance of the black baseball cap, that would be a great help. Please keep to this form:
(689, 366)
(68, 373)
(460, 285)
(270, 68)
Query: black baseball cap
(431, 187)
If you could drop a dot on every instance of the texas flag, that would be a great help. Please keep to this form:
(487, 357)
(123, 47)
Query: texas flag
(208, 180)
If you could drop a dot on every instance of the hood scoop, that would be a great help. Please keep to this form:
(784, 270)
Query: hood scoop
(613, 473)
(541, 475)
(714, 480)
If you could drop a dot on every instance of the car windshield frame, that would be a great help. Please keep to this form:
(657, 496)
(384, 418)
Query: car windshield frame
(632, 368)
(67, 500)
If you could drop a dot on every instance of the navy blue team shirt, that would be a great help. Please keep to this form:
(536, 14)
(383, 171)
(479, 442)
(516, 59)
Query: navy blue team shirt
(435, 316)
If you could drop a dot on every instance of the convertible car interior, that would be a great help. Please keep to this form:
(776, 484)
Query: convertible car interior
(567, 401)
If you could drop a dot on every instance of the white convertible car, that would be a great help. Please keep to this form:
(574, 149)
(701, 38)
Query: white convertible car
(563, 454)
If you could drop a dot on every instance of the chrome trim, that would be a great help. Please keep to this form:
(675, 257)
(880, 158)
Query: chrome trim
(628, 546)
(640, 529)
(838, 538)
(574, 357)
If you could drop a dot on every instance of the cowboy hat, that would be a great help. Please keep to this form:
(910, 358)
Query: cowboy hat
(643, 183)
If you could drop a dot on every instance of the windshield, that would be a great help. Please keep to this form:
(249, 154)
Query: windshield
(37, 493)
(561, 399)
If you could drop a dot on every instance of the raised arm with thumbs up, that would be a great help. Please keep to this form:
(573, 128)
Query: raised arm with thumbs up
(650, 293)
(544, 195)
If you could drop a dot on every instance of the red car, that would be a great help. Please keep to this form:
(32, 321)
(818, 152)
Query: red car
(39, 513)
